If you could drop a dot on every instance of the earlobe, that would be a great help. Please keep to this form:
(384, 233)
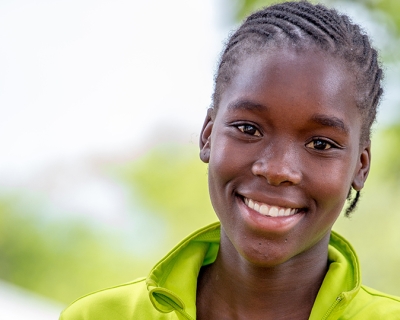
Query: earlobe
(205, 137)
(363, 166)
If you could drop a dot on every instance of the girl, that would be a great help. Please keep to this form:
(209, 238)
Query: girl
(286, 140)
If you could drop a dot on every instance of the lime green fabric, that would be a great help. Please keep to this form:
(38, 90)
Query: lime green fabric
(169, 292)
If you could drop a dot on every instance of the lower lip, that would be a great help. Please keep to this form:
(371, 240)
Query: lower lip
(257, 221)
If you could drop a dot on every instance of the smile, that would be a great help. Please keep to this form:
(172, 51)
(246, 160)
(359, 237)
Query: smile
(267, 210)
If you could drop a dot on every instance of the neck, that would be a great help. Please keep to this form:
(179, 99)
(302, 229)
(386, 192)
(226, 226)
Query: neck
(234, 288)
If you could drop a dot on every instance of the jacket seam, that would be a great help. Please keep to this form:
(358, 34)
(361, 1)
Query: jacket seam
(379, 294)
(110, 288)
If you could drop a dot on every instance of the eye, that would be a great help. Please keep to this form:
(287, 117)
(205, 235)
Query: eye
(249, 129)
(319, 144)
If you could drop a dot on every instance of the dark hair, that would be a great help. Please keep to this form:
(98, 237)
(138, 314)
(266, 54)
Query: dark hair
(303, 25)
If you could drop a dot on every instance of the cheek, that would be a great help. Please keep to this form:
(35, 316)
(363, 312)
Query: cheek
(333, 185)
(228, 160)
(227, 168)
(220, 171)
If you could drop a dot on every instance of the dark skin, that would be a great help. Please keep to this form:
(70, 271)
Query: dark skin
(286, 137)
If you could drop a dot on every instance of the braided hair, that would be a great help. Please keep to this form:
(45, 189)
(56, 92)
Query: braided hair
(302, 25)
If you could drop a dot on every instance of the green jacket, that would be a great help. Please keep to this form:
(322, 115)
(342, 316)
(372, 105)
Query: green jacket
(169, 292)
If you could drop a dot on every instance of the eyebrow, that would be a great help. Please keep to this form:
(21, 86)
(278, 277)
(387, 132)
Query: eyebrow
(329, 121)
(246, 105)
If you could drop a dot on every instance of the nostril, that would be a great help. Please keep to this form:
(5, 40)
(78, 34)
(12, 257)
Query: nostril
(277, 172)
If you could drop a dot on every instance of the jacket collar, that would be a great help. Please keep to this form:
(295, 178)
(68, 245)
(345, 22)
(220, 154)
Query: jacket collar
(341, 283)
(172, 282)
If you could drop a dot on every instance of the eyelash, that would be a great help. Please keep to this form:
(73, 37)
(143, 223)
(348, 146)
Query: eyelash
(324, 143)
(244, 127)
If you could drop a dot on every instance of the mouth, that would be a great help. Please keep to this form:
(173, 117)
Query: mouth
(269, 210)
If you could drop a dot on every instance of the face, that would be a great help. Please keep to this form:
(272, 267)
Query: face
(283, 150)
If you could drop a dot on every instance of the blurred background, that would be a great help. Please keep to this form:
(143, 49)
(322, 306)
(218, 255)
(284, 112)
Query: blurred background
(101, 104)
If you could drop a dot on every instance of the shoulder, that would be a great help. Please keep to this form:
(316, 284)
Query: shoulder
(373, 304)
(126, 301)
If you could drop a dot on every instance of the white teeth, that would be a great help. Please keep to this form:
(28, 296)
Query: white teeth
(273, 211)
(267, 210)
(251, 204)
(264, 209)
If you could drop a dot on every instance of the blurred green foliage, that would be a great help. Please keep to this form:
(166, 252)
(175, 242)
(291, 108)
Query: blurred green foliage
(64, 259)
(387, 154)
(57, 258)
(172, 182)
(388, 10)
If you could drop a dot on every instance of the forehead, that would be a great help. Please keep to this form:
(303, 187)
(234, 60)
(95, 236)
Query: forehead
(306, 79)
(314, 72)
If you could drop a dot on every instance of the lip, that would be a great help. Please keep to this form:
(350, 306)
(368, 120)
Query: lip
(266, 223)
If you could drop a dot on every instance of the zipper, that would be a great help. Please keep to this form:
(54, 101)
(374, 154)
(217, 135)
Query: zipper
(333, 306)
(184, 314)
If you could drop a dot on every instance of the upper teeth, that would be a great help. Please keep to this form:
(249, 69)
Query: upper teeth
(268, 210)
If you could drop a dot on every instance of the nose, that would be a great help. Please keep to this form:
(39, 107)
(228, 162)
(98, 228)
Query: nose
(279, 165)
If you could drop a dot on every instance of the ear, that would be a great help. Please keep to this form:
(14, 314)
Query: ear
(205, 136)
(363, 166)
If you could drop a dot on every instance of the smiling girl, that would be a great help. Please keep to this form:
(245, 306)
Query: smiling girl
(286, 141)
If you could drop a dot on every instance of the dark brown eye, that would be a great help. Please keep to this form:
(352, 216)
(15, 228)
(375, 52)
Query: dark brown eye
(319, 144)
(249, 129)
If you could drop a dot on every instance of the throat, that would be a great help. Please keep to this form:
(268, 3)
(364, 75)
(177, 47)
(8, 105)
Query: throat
(257, 293)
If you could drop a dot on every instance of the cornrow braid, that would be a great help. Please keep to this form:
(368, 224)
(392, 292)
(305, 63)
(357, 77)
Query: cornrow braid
(304, 25)
(353, 203)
